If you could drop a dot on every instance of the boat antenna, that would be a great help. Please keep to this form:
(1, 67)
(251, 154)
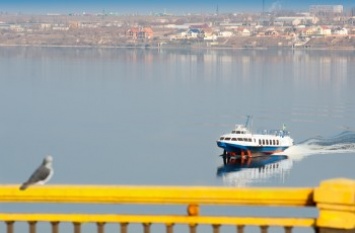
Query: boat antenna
(248, 120)
(283, 127)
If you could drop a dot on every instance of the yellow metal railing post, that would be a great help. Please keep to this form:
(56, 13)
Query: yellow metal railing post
(169, 227)
(146, 227)
(77, 227)
(10, 226)
(335, 200)
(193, 228)
(240, 228)
(100, 227)
(263, 229)
(193, 210)
(32, 225)
(288, 229)
(124, 226)
(215, 228)
(55, 227)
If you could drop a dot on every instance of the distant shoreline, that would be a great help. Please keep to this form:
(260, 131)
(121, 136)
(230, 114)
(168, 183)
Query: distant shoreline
(245, 31)
(177, 47)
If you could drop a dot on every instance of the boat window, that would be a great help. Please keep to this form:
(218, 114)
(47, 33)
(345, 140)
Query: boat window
(227, 139)
(238, 132)
(263, 142)
(245, 139)
(234, 139)
(240, 139)
(250, 139)
(221, 138)
(277, 142)
(273, 141)
(259, 141)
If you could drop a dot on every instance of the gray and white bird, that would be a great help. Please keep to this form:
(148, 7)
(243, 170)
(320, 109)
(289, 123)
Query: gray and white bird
(42, 174)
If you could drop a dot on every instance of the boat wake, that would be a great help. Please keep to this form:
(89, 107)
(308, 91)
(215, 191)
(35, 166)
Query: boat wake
(341, 143)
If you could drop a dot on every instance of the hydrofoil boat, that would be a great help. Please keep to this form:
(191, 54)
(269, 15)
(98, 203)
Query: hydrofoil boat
(242, 142)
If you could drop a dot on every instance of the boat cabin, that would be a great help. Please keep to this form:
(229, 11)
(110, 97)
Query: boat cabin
(240, 129)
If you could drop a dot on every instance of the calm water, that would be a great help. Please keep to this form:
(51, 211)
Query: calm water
(111, 116)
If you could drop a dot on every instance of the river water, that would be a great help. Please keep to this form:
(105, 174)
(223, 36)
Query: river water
(152, 117)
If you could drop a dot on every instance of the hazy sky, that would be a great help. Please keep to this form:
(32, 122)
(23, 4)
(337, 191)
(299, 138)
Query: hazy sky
(140, 6)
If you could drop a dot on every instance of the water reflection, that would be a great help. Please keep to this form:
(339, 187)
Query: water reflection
(243, 172)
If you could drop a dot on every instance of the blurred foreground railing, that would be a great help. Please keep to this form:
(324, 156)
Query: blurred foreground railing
(335, 200)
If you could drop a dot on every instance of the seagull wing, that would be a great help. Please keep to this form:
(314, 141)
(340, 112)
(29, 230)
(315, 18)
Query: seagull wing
(40, 174)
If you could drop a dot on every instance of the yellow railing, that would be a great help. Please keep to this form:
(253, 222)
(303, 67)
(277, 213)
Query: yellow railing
(335, 200)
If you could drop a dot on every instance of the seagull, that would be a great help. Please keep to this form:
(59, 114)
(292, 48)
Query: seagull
(42, 174)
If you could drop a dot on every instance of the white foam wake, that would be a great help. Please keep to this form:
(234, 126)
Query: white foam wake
(341, 143)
